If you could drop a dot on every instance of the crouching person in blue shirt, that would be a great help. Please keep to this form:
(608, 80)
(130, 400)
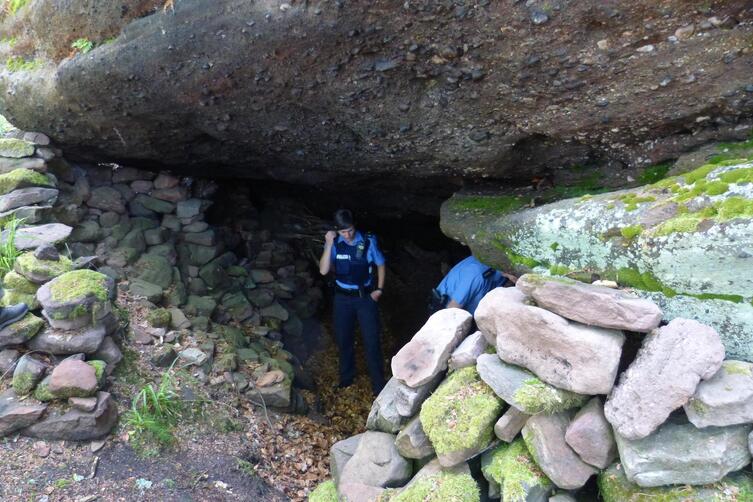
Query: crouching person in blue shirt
(354, 257)
(466, 284)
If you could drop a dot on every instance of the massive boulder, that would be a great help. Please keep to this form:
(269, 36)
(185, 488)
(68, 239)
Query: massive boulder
(683, 242)
(328, 93)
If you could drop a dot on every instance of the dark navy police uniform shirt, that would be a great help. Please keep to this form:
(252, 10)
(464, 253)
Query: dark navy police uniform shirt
(373, 255)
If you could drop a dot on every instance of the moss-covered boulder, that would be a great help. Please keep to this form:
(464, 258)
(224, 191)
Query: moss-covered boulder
(80, 296)
(441, 487)
(459, 417)
(512, 468)
(39, 271)
(15, 148)
(15, 281)
(12, 297)
(683, 242)
(615, 487)
(21, 331)
(324, 492)
(23, 178)
(159, 318)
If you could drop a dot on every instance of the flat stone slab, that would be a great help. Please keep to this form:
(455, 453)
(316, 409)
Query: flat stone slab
(21, 331)
(682, 454)
(397, 403)
(569, 355)
(35, 236)
(28, 197)
(426, 355)
(77, 425)
(670, 363)
(16, 414)
(590, 435)
(724, 399)
(592, 305)
(520, 388)
(377, 462)
(545, 438)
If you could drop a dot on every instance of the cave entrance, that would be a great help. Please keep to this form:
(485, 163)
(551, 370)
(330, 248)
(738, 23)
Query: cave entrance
(417, 254)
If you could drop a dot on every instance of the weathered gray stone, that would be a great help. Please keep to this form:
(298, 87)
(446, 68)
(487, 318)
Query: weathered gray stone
(520, 388)
(107, 199)
(408, 400)
(201, 305)
(21, 331)
(426, 355)
(592, 305)
(359, 492)
(83, 403)
(154, 269)
(29, 214)
(28, 372)
(151, 292)
(87, 231)
(545, 438)
(196, 226)
(164, 180)
(205, 238)
(174, 194)
(568, 355)
(384, 415)
(510, 424)
(213, 275)
(262, 276)
(590, 435)
(59, 341)
(260, 297)
(8, 359)
(34, 236)
(724, 399)
(189, 208)
(237, 306)
(376, 462)
(468, 351)
(7, 165)
(152, 204)
(156, 236)
(108, 352)
(670, 363)
(340, 453)
(178, 319)
(411, 441)
(16, 414)
(77, 425)
(682, 454)
(275, 311)
(28, 197)
(193, 356)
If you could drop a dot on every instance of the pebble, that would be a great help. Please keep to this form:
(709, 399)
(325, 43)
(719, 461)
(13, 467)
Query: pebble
(41, 449)
(538, 17)
(603, 44)
(645, 48)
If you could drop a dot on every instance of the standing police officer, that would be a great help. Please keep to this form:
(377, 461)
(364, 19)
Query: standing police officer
(354, 257)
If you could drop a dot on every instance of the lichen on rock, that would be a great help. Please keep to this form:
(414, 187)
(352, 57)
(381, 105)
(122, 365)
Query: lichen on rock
(538, 397)
(40, 271)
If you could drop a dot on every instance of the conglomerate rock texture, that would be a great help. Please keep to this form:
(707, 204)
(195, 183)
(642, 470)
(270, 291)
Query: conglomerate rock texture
(344, 92)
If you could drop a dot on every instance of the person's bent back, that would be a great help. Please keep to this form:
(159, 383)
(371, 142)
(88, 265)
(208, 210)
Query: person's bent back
(466, 284)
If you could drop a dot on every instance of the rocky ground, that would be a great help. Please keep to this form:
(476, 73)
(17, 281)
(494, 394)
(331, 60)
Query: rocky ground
(225, 449)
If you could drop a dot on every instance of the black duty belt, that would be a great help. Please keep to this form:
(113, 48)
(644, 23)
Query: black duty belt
(363, 291)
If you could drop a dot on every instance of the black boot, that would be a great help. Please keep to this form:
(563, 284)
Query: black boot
(14, 313)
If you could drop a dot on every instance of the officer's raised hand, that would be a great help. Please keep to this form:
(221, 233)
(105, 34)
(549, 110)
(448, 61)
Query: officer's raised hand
(329, 237)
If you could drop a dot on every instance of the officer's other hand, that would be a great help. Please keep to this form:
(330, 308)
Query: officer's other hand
(513, 279)
(376, 295)
(329, 237)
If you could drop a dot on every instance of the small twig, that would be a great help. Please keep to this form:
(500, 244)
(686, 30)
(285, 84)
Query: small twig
(263, 406)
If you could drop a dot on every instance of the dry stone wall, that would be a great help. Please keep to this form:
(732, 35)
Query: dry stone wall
(675, 425)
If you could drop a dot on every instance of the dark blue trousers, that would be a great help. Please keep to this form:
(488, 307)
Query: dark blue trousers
(347, 310)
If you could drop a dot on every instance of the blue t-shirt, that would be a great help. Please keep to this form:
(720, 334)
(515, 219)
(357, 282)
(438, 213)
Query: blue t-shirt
(373, 255)
(466, 283)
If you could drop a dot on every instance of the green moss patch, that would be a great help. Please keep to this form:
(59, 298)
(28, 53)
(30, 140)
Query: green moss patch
(515, 258)
(615, 487)
(513, 468)
(441, 487)
(324, 492)
(496, 204)
(27, 327)
(29, 265)
(159, 318)
(23, 383)
(17, 282)
(537, 397)
(79, 284)
(17, 63)
(99, 370)
(42, 392)
(737, 368)
(631, 200)
(21, 178)
(631, 232)
(654, 173)
(461, 413)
